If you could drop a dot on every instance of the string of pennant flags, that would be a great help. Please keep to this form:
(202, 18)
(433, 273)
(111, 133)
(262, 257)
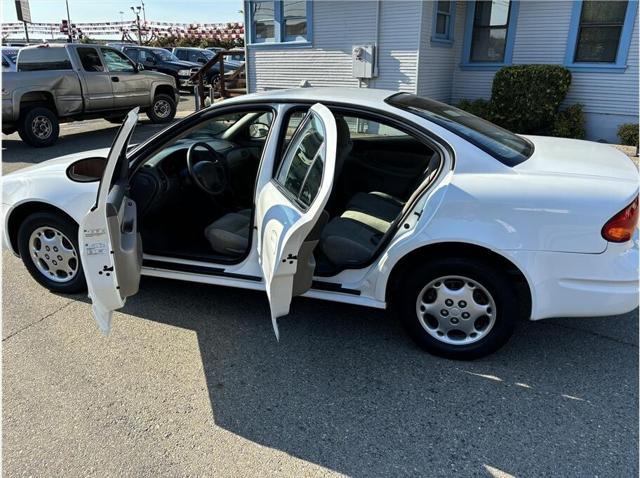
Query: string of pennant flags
(220, 31)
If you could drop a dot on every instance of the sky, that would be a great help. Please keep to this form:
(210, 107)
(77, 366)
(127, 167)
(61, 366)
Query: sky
(178, 11)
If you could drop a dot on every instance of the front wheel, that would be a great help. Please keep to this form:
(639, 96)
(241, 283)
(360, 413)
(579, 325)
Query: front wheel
(39, 127)
(163, 109)
(458, 308)
(48, 246)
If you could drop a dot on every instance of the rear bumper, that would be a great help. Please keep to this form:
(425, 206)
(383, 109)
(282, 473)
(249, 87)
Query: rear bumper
(582, 285)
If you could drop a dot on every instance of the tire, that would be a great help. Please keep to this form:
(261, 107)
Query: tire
(39, 126)
(484, 287)
(61, 227)
(163, 109)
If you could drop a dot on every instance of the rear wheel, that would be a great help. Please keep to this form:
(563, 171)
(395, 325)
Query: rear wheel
(39, 126)
(48, 246)
(458, 308)
(163, 109)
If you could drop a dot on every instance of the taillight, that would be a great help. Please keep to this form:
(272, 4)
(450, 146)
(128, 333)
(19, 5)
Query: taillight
(620, 227)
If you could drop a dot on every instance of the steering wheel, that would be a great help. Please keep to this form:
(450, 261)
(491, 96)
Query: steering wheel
(210, 174)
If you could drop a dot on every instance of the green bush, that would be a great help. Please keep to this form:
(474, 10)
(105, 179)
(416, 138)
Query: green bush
(526, 98)
(479, 107)
(628, 134)
(569, 123)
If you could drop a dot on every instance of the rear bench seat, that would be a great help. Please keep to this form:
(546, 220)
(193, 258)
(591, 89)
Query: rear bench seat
(353, 237)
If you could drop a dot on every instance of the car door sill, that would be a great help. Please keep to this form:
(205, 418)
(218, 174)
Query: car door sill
(156, 264)
(196, 269)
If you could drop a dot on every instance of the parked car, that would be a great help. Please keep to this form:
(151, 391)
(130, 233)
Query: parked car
(74, 82)
(162, 60)
(237, 59)
(9, 55)
(362, 196)
(202, 56)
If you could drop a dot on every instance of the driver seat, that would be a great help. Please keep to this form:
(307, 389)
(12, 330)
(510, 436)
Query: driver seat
(229, 235)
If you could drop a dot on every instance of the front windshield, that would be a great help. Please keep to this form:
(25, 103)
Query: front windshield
(505, 146)
(165, 55)
(218, 132)
(208, 53)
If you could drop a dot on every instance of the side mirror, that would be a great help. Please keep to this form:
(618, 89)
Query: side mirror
(140, 66)
(258, 130)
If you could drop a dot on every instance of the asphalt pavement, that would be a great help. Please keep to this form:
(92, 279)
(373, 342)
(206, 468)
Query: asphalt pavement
(191, 382)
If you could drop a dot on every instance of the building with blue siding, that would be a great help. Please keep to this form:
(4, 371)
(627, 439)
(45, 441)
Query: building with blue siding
(450, 50)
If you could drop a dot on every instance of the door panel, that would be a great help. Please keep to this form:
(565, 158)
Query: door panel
(96, 80)
(129, 88)
(386, 164)
(110, 246)
(289, 207)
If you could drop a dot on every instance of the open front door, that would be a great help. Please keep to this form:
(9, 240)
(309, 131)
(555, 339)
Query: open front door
(110, 246)
(290, 210)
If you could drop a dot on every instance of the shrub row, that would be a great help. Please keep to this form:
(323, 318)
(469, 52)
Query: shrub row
(628, 134)
(526, 99)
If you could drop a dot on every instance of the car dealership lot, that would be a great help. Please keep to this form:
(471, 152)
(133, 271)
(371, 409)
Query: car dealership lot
(192, 382)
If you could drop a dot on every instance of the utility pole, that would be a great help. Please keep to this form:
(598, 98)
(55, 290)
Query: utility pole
(70, 30)
(136, 11)
(144, 13)
(26, 31)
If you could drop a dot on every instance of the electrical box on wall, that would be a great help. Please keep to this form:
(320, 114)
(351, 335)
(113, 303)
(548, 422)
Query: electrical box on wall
(363, 58)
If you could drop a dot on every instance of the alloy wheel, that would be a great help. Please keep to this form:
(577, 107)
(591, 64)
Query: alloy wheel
(53, 254)
(456, 310)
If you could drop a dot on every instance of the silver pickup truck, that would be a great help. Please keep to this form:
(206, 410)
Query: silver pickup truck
(71, 82)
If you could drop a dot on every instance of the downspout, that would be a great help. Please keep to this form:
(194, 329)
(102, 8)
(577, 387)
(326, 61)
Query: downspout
(371, 82)
(377, 42)
(247, 38)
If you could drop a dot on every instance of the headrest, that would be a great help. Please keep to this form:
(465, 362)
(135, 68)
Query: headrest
(344, 135)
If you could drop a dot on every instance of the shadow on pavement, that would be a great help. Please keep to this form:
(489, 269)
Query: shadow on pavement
(345, 389)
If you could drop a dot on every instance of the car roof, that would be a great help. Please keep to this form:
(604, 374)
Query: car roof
(328, 94)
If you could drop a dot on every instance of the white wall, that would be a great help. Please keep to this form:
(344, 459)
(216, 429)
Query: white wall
(338, 26)
(541, 37)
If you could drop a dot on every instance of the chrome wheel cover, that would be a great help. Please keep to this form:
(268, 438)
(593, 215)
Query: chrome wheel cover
(41, 127)
(456, 310)
(162, 108)
(53, 254)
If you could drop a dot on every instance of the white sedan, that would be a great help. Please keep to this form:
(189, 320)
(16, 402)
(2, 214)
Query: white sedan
(368, 197)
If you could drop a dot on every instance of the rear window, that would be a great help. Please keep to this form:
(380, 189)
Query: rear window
(507, 147)
(43, 58)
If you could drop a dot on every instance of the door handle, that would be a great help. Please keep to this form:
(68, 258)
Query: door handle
(115, 79)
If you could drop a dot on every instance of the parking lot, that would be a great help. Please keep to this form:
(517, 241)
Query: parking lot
(193, 383)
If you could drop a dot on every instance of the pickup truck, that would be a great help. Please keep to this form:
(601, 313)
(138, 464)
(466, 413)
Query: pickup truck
(70, 82)
(162, 60)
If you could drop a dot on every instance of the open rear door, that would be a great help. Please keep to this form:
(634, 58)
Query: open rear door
(290, 210)
(110, 246)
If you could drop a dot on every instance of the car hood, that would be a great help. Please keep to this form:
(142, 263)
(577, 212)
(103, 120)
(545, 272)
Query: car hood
(572, 157)
(183, 64)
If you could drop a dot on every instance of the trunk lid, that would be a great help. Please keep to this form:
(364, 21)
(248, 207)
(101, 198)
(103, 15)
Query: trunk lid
(573, 157)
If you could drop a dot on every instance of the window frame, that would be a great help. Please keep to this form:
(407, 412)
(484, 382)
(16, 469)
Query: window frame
(624, 43)
(446, 39)
(104, 49)
(280, 38)
(322, 150)
(98, 55)
(512, 22)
